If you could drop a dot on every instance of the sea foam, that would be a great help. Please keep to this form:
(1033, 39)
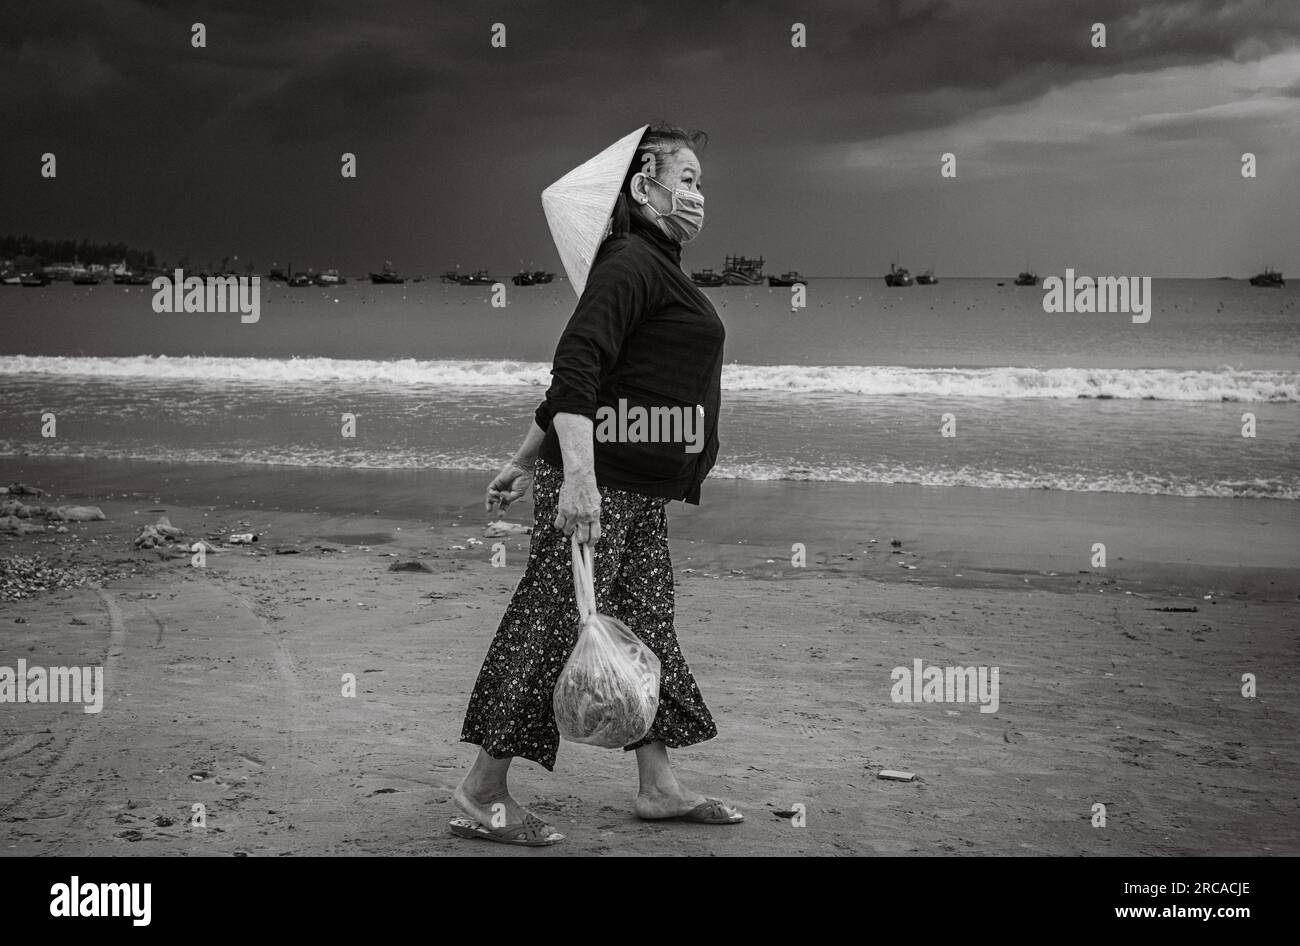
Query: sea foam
(1161, 384)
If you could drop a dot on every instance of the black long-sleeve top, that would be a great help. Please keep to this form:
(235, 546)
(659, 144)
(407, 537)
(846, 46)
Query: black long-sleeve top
(642, 331)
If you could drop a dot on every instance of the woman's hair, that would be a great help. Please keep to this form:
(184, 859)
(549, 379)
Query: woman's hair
(660, 140)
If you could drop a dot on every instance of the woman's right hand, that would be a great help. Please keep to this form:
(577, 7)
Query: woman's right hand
(578, 510)
(513, 482)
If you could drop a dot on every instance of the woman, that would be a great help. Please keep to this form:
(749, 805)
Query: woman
(644, 334)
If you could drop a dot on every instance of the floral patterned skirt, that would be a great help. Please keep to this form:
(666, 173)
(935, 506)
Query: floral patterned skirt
(510, 710)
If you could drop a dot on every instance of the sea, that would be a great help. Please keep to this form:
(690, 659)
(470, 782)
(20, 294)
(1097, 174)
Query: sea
(965, 383)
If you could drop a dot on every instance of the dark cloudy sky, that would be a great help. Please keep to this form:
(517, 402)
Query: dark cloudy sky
(1118, 160)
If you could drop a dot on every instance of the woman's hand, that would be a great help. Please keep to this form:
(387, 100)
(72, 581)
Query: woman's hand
(513, 482)
(578, 511)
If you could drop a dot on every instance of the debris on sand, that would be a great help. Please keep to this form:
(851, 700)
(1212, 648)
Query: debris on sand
(16, 507)
(890, 775)
(76, 514)
(22, 489)
(12, 525)
(158, 534)
(149, 538)
(500, 528)
(23, 576)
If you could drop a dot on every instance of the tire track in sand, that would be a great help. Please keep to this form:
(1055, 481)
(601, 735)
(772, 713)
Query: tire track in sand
(65, 759)
(284, 668)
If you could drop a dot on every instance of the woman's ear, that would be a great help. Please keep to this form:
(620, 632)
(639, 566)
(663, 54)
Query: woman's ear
(637, 188)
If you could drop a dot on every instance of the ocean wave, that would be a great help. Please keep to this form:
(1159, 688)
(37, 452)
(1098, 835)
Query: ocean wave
(1150, 484)
(1161, 384)
(306, 457)
(283, 371)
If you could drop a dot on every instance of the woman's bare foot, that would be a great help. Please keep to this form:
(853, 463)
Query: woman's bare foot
(656, 803)
(662, 796)
(491, 806)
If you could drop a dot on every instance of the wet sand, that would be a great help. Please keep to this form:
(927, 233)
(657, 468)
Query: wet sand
(224, 682)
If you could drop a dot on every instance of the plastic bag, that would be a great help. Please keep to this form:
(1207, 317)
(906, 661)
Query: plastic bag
(608, 692)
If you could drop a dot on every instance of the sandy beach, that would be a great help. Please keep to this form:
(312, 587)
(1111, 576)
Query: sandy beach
(224, 683)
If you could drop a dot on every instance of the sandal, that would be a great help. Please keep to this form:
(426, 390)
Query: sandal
(531, 832)
(709, 811)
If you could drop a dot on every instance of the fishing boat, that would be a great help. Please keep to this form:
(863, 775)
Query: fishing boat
(787, 279)
(277, 274)
(451, 276)
(897, 276)
(388, 277)
(10, 278)
(1027, 279)
(85, 278)
(479, 277)
(299, 280)
(742, 271)
(1270, 279)
(330, 277)
(126, 277)
(531, 277)
(33, 280)
(706, 277)
(927, 278)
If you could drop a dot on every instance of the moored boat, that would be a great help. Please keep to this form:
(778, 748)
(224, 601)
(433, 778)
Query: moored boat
(897, 276)
(330, 277)
(479, 277)
(531, 277)
(1269, 279)
(927, 278)
(1027, 279)
(787, 279)
(742, 271)
(706, 277)
(388, 277)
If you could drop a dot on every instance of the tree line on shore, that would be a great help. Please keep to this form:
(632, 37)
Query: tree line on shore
(86, 252)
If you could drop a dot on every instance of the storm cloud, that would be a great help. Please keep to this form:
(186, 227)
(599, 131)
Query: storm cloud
(235, 148)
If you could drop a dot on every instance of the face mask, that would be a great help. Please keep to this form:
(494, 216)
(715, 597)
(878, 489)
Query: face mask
(686, 219)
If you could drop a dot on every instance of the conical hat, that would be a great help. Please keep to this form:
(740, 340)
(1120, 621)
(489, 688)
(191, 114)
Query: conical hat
(578, 206)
